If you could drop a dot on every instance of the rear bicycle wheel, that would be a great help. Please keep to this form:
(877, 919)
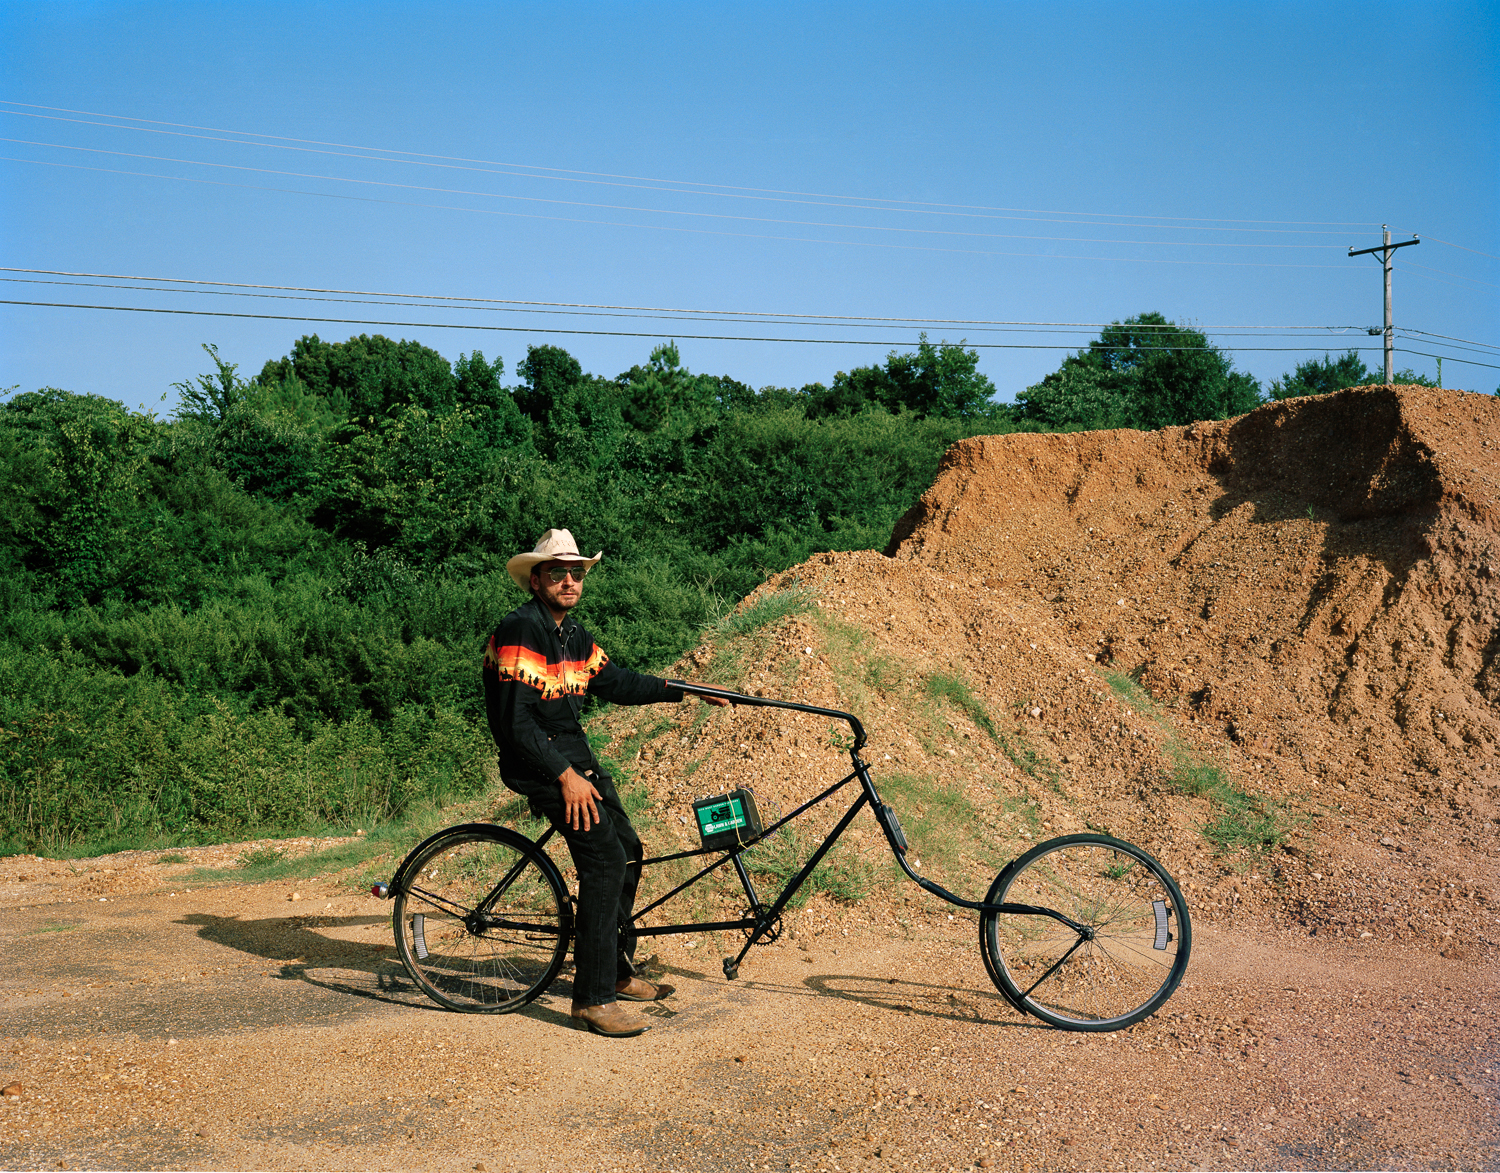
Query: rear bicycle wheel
(1120, 964)
(482, 920)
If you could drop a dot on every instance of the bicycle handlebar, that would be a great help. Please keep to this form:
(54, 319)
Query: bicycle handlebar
(763, 702)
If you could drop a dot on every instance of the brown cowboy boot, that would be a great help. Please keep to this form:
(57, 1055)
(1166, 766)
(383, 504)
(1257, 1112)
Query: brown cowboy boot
(636, 989)
(611, 1020)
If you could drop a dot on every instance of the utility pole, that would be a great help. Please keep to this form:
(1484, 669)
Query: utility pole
(1386, 250)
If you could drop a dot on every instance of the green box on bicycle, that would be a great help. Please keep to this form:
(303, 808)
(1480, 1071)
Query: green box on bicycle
(726, 820)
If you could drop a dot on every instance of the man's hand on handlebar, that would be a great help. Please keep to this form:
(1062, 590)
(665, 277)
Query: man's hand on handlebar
(716, 701)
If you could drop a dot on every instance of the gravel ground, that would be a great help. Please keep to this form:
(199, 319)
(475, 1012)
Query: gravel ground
(231, 1028)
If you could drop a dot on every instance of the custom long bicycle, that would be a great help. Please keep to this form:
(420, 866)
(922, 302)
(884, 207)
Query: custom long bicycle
(1085, 932)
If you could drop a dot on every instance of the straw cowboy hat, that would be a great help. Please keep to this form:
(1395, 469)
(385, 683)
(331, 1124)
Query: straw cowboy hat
(556, 545)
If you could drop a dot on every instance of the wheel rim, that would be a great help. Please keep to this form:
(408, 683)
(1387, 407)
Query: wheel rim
(1130, 955)
(480, 924)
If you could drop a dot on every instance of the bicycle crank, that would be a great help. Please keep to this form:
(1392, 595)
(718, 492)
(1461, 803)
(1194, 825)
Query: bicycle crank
(769, 930)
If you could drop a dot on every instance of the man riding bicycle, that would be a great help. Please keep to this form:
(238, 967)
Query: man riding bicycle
(539, 666)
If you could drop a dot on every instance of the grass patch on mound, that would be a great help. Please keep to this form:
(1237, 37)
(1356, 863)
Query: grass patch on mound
(940, 821)
(515, 813)
(634, 796)
(1242, 821)
(261, 857)
(1036, 766)
(262, 864)
(737, 636)
(390, 840)
(853, 674)
(767, 609)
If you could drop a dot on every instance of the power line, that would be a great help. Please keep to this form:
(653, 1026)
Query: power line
(687, 316)
(1450, 337)
(643, 309)
(1479, 349)
(385, 183)
(716, 187)
(622, 333)
(1464, 247)
(972, 252)
(650, 185)
(1453, 358)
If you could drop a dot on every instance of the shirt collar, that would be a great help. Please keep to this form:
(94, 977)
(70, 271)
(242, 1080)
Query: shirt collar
(562, 630)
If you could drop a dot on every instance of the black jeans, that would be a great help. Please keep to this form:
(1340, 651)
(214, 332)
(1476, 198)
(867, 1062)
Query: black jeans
(607, 857)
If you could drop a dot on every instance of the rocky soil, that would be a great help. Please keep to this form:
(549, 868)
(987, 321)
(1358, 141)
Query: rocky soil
(1300, 606)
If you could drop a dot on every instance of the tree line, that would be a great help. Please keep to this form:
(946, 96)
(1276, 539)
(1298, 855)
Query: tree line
(266, 611)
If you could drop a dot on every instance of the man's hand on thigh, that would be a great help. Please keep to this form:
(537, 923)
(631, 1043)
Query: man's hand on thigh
(579, 795)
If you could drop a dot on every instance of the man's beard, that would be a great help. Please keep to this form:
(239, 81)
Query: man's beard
(555, 603)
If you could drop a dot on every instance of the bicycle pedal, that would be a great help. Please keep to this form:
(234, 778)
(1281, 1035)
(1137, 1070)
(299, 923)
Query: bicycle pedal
(731, 970)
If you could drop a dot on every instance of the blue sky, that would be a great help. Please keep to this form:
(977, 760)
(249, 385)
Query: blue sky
(795, 172)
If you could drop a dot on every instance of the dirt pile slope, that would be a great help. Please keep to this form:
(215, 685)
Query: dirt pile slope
(1342, 551)
(1279, 629)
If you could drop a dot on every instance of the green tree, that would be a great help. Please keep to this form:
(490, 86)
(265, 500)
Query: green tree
(577, 419)
(368, 376)
(1081, 394)
(264, 436)
(942, 381)
(491, 406)
(548, 374)
(1319, 376)
(665, 395)
(1192, 382)
(210, 398)
(72, 491)
(1144, 372)
(1406, 377)
(293, 401)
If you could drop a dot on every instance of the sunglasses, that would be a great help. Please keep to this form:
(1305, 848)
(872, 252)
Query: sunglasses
(576, 573)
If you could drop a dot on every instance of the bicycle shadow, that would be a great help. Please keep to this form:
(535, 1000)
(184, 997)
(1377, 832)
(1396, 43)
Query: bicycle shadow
(894, 995)
(919, 999)
(355, 969)
(905, 998)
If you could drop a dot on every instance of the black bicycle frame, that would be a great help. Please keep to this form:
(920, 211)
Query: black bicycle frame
(762, 918)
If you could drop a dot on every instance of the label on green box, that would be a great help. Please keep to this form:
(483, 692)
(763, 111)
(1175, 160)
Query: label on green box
(726, 816)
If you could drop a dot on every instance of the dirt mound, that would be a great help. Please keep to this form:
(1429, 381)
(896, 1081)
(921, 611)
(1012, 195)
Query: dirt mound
(1328, 562)
(1263, 647)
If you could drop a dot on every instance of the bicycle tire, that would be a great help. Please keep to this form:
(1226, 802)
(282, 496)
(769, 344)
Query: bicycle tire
(481, 918)
(1135, 948)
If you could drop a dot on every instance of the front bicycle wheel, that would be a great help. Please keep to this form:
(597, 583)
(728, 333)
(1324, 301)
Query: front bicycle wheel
(482, 920)
(1122, 955)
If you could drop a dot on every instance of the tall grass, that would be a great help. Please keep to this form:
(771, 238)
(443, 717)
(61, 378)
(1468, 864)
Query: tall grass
(737, 635)
(767, 609)
(840, 874)
(89, 757)
(939, 820)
